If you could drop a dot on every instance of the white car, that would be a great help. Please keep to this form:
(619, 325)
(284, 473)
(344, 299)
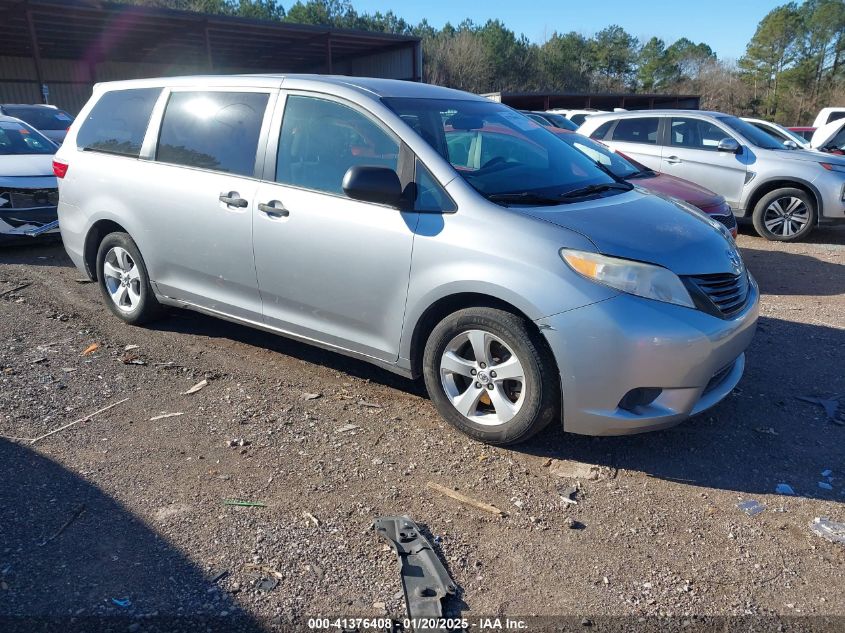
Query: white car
(830, 137)
(28, 190)
(780, 133)
(576, 116)
(828, 115)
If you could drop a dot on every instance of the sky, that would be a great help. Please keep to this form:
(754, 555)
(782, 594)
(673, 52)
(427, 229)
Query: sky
(726, 25)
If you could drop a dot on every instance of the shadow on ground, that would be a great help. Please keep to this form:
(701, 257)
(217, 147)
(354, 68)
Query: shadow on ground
(68, 551)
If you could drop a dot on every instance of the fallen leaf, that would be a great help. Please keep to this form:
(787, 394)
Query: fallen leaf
(93, 347)
(310, 396)
(129, 348)
(200, 385)
(345, 428)
(370, 405)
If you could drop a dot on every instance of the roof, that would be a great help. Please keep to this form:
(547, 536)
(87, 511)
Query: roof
(103, 31)
(368, 86)
(640, 113)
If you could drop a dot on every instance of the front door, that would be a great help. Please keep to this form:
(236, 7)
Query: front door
(692, 153)
(330, 268)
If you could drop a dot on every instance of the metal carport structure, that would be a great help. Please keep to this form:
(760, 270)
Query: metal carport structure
(68, 45)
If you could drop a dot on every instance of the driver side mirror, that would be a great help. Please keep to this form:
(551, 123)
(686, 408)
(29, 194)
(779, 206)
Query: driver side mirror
(729, 145)
(373, 184)
(790, 144)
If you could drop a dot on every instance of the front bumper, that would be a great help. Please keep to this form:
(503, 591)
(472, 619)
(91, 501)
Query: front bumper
(22, 224)
(607, 349)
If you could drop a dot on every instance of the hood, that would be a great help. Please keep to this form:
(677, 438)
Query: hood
(826, 133)
(805, 155)
(26, 165)
(687, 191)
(649, 229)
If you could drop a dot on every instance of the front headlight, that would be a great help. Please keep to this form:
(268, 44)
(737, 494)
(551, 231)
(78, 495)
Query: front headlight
(636, 278)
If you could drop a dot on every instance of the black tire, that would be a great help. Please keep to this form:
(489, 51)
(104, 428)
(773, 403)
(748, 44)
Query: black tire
(784, 195)
(541, 402)
(147, 308)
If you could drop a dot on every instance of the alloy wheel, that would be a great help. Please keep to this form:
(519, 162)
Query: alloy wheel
(786, 216)
(482, 377)
(122, 278)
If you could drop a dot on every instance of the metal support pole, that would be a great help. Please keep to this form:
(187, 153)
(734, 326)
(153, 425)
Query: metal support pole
(208, 55)
(36, 55)
(329, 70)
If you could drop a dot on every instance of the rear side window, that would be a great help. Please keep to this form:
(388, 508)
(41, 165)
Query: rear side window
(118, 122)
(601, 131)
(212, 130)
(637, 130)
(834, 116)
(321, 139)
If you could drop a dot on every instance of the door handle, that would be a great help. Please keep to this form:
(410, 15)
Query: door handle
(673, 160)
(233, 199)
(274, 209)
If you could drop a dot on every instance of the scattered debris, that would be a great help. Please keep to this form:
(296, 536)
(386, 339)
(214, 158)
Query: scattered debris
(129, 348)
(219, 576)
(346, 427)
(312, 518)
(239, 442)
(78, 513)
(267, 584)
(123, 603)
(570, 469)
(832, 407)
(69, 370)
(457, 496)
(825, 486)
(425, 581)
(751, 507)
(828, 529)
(567, 495)
(784, 489)
(83, 280)
(132, 359)
(43, 359)
(21, 287)
(767, 430)
(247, 504)
(93, 347)
(85, 419)
(310, 396)
(166, 415)
(827, 473)
(200, 385)
(572, 524)
(369, 405)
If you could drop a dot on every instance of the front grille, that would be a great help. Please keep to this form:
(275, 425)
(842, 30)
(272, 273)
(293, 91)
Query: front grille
(728, 220)
(28, 198)
(721, 294)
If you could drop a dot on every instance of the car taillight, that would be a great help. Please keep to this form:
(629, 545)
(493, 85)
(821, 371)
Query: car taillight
(59, 168)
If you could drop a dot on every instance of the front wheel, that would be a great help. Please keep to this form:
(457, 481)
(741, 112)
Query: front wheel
(491, 376)
(785, 215)
(123, 280)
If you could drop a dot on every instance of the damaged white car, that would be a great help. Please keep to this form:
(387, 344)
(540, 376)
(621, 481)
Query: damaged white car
(830, 138)
(28, 191)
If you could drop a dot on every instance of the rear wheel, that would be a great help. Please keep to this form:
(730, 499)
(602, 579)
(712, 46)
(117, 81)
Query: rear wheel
(785, 215)
(490, 376)
(124, 282)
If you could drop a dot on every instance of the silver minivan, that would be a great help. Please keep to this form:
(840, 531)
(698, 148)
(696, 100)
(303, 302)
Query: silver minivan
(785, 192)
(426, 230)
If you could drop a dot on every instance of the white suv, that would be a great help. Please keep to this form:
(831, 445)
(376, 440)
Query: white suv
(785, 192)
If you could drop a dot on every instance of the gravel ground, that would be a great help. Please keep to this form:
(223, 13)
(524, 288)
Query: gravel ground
(123, 515)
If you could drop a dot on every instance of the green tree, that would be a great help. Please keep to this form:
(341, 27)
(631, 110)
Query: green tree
(655, 67)
(566, 62)
(260, 9)
(615, 55)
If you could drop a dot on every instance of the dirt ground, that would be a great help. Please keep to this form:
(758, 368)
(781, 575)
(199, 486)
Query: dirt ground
(122, 518)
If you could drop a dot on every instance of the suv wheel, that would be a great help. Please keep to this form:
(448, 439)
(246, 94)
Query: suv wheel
(123, 280)
(490, 376)
(785, 215)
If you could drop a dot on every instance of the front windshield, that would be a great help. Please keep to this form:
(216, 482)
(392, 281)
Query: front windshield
(618, 166)
(19, 138)
(497, 150)
(752, 134)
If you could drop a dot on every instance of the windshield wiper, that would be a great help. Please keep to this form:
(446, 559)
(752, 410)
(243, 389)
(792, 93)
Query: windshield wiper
(523, 197)
(643, 173)
(598, 188)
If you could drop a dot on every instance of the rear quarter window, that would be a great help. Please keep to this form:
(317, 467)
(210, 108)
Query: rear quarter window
(637, 130)
(118, 122)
